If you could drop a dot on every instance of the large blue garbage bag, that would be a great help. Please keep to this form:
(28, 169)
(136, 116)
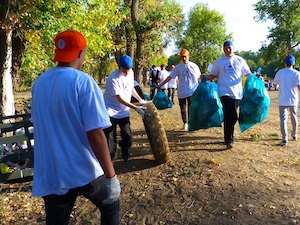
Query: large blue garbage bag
(254, 106)
(206, 108)
(161, 100)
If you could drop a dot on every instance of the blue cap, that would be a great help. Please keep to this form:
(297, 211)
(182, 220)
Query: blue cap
(125, 61)
(290, 60)
(227, 43)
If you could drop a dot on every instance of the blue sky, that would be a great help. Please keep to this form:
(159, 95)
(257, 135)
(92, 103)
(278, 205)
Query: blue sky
(238, 14)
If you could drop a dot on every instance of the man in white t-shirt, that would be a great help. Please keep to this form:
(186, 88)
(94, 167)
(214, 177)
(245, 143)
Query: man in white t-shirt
(188, 74)
(288, 80)
(71, 155)
(229, 70)
(172, 85)
(117, 96)
(163, 74)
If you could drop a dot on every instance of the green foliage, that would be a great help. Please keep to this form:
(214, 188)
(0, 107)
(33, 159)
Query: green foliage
(43, 19)
(284, 36)
(204, 35)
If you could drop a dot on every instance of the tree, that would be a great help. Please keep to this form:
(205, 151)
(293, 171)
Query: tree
(204, 35)
(7, 23)
(284, 37)
(151, 19)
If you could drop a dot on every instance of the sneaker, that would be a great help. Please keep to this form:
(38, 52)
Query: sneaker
(229, 145)
(295, 138)
(185, 127)
(283, 143)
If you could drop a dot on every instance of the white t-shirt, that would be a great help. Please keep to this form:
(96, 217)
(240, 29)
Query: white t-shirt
(117, 84)
(229, 71)
(66, 103)
(163, 74)
(188, 75)
(173, 83)
(288, 79)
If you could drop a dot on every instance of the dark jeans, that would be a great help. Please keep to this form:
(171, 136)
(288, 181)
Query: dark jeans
(126, 135)
(230, 107)
(184, 104)
(171, 92)
(59, 207)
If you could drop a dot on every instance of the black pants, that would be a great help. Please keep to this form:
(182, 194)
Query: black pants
(230, 107)
(59, 207)
(152, 90)
(184, 104)
(111, 135)
(171, 92)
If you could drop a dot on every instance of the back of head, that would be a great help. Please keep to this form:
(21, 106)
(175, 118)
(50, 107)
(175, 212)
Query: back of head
(290, 60)
(125, 62)
(68, 45)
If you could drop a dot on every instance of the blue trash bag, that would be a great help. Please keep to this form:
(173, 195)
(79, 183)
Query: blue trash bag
(147, 97)
(161, 100)
(206, 108)
(254, 106)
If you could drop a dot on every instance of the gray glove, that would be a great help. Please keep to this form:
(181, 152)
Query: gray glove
(113, 190)
(140, 110)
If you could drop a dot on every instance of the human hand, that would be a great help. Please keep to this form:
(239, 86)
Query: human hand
(113, 190)
(140, 110)
(142, 101)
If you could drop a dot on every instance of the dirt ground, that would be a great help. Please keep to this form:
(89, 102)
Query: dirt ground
(256, 182)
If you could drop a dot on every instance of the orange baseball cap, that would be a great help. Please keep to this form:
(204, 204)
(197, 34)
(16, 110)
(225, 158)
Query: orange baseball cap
(68, 44)
(184, 52)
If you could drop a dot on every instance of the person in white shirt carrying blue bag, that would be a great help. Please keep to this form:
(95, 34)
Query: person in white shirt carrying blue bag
(188, 74)
(71, 155)
(229, 70)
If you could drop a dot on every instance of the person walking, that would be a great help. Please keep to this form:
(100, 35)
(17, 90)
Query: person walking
(71, 155)
(162, 76)
(188, 74)
(172, 85)
(288, 80)
(229, 70)
(153, 80)
(117, 96)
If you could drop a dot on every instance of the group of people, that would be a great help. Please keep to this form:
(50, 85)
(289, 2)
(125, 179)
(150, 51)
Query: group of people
(156, 77)
(75, 124)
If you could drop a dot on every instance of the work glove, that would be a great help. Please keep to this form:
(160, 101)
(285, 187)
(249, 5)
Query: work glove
(113, 190)
(142, 101)
(140, 110)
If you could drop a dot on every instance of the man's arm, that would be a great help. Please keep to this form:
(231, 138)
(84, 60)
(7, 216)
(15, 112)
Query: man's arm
(99, 146)
(165, 81)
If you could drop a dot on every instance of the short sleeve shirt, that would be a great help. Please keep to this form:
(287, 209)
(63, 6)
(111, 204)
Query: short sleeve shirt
(229, 71)
(288, 80)
(188, 76)
(117, 84)
(66, 103)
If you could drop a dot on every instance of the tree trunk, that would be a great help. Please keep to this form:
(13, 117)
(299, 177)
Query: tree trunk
(7, 95)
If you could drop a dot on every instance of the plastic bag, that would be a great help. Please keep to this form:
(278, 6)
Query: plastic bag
(161, 100)
(206, 108)
(254, 106)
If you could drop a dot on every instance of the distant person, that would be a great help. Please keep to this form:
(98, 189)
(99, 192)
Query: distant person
(162, 76)
(138, 90)
(229, 70)
(153, 80)
(288, 80)
(188, 74)
(71, 155)
(172, 86)
(117, 95)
